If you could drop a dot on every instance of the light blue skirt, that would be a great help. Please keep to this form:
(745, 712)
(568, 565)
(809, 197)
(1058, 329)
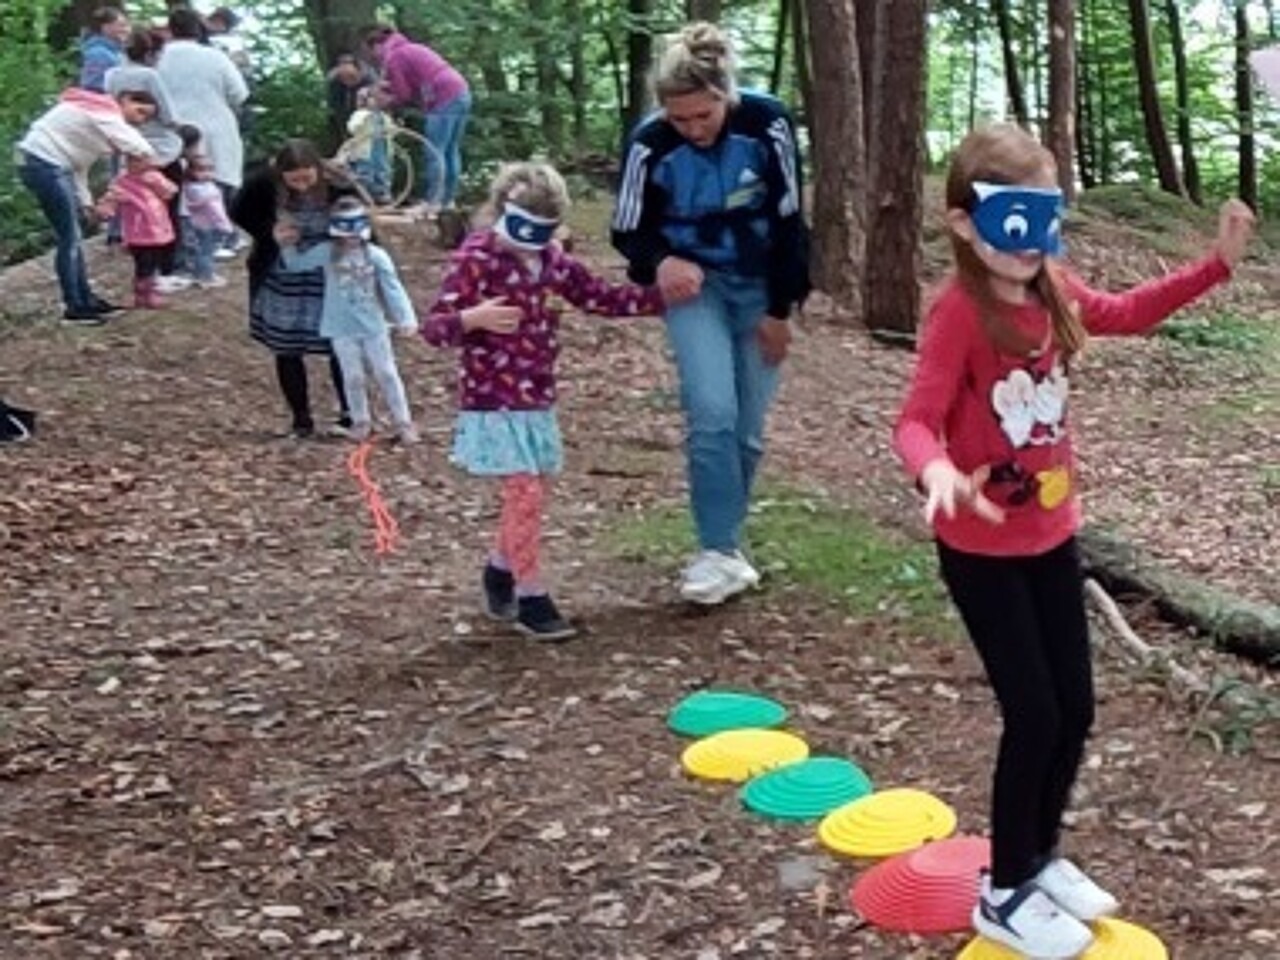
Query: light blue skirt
(495, 443)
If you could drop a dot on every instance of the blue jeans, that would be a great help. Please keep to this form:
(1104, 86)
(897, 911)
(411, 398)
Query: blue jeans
(55, 190)
(725, 389)
(442, 167)
(206, 243)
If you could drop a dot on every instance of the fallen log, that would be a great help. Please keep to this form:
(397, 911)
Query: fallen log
(1234, 624)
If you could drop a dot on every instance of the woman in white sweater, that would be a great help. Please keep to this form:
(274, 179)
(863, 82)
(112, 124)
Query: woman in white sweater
(53, 163)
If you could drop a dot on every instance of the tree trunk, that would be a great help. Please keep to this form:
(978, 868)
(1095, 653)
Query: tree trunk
(1149, 96)
(891, 291)
(578, 75)
(1102, 128)
(804, 74)
(1248, 186)
(336, 26)
(1062, 92)
(780, 45)
(1086, 142)
(1190, 169)
(1236, 625)
(868, 14)
(1031, 44)
(1012, 78)
(708, 10)
(546, 74)
(71, 21)
(639, 59)
(839, 155)
(975, 63)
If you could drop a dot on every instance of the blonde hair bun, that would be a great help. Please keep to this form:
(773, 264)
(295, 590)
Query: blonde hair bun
(698, 59)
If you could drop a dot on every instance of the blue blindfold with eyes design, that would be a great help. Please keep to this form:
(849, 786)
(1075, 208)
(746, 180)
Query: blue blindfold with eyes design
(525, 230)
(1015, 219)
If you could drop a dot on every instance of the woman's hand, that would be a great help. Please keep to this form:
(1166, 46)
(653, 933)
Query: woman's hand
(1235, 228)
(679, 280)
(945, 487)
(775, 339)
(494, 315)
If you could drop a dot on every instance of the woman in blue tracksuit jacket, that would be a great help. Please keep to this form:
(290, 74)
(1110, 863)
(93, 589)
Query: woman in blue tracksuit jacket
(709, 208)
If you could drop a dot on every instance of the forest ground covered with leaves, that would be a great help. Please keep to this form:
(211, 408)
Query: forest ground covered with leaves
(229, 730)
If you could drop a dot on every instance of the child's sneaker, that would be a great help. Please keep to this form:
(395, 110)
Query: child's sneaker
(1071, 889)
(359, 431)
(538, 617)
(407, 433)
(499, 593)
(212, 283)
(1028, 922)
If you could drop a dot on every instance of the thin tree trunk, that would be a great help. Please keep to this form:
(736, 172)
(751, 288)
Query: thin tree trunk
(578, 74)
(975, 61)
(1031, 44)
(804, 73)
(839, 154)
(1248, 188)
(545, 77)
(1149, 96)
(1017, 98)
(780, 45)
(639, 58)
(891, 291)
(336, 25)
(1190, 168)
(1062, 90)
(870, 25)
(708, 10)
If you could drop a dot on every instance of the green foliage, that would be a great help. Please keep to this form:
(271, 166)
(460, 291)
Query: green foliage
(1225, 331)
(29, 78)
(809, 542)
(288, 102)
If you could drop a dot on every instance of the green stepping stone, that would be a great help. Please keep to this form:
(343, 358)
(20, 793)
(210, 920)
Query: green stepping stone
(712, 711)
(806, 790)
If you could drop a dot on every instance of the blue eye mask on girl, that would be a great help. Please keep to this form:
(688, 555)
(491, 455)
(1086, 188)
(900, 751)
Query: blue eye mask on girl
(524, 230)
(1015, 219)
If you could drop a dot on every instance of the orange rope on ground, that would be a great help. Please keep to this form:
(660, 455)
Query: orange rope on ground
(386, 532)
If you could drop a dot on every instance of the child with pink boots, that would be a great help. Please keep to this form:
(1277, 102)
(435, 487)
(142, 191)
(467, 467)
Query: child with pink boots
(140, 195)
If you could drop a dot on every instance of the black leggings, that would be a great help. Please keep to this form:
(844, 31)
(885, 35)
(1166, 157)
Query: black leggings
(1026, 617)
(291, 370)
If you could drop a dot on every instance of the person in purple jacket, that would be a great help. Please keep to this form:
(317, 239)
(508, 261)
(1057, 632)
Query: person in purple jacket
(500, 304)
(415, 76)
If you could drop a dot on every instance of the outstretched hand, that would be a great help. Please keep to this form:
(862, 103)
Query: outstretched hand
(946, 488)
(494, 315)
(1235, 229)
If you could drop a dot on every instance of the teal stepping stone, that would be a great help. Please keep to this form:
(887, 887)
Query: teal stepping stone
(712, 711)
(806, 790)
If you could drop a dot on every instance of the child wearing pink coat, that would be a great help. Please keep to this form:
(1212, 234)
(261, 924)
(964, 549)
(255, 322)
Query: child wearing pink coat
(140, 195)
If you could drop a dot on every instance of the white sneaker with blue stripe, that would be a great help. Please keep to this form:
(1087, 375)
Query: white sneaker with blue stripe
(1070, 888)
(1027, 921)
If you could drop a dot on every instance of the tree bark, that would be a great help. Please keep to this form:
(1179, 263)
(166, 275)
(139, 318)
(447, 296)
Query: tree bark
(780, 45)
(1248, 180)
(639, 59)
(1236, 625)
(868, 14)
(336, 26)
(1012, 78)
(891, 292)
(804, 73)
(1062, 92)
(578, 75)
(1149, 97)
(708, 10)
(1190, 168)
(839, 155)
(546, 74)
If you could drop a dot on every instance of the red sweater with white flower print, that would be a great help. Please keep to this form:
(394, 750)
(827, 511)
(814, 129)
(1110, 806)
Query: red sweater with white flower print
(980, 407)
(516, 371)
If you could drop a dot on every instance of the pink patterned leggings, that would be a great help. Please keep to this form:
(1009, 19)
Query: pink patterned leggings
(520, 526)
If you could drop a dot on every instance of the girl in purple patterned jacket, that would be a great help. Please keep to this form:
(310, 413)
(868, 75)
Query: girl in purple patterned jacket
(498, 304)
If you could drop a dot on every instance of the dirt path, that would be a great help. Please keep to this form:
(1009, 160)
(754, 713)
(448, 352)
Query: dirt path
(228, 731)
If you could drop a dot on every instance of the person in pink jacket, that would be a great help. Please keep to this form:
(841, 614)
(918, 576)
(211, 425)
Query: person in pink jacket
(140, 196)
(417, 77)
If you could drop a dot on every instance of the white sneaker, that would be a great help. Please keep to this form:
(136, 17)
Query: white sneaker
(713, 577)
(213, 283)
(224, 253)
(1069, 887)
(1028, 922)
(172, 283)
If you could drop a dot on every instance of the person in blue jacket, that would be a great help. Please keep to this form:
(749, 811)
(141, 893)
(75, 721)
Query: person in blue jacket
(102, 47)
(709, 208)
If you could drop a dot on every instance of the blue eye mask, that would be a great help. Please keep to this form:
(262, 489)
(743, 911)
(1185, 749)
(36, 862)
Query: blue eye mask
(1016, 219)
(524, 230)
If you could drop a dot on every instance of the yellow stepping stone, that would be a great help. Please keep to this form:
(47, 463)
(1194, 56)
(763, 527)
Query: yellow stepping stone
(739, 755)
(888, 822)
(1113, 940)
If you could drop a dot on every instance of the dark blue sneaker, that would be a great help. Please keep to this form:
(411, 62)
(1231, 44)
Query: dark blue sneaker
(1028, 922)
(538, 617)
(499, 593)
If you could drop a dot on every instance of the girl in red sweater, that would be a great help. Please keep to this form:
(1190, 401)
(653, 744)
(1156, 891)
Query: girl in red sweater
(984, 431)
